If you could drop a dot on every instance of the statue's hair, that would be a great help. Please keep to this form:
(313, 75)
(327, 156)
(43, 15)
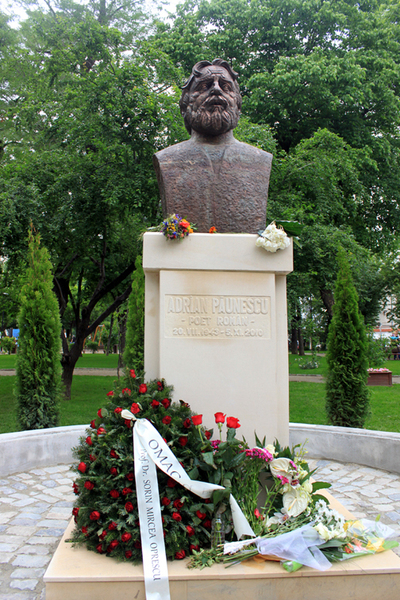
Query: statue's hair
(197, 71)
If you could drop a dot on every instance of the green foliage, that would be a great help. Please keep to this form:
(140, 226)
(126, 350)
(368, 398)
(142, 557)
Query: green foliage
(92, 345)
(134, 344)
(8, 344)
(38, 365)
(347, 396)
(378, 351)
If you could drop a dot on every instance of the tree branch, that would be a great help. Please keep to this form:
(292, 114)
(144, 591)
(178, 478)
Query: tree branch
(113, 284)
(117, 302)
(69, 263)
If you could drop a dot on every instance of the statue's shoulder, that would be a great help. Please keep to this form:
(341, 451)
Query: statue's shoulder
(259, 155)
(172, 152)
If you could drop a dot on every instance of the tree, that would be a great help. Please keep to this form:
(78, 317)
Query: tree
(347, 395)
(38, 368)
(87, 121)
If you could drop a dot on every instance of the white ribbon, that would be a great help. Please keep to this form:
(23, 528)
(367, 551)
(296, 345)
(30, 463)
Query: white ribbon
(150, 450)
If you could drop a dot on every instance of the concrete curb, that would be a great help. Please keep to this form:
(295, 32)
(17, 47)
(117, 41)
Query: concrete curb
(25, 450)
(376, 449)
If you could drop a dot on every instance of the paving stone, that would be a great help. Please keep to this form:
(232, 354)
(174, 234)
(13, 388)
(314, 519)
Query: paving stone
(24, 502)
(50, 483)
(21, 522)
(17, 596)
(50, 532)
(35, 549)
(24, 584)
(4, 547)
(395, 497)
(7, 515)
(394, 516)
(53, 523)
(19, 486)
(5, 557)
(22, 531)
(27, 560)
(24, 573)
(36, 540)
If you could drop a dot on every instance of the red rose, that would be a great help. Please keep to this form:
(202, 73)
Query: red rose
(160, 386)
(207, 524)
(75, 511)
(130, 476)
(101, 431)
(126, 491)
(125, 537)
(132, 373)
(128, 423)
(197, 419)
(114, 494)
(112, 526)
(126, 391)
(155, 404)
(99, 549)
(171, 483)
(112, 546)
(89, 441)
(137, 545)
(102, 535)
(92, 457)
(194, 547)
(219, 417)
(84, 530)
(82, 467)
(113, 454)
(75, 488)
(166, 420)
(187, 423)
(176, 516)
(128, 554)
(114, 471)
(200, 514)
(109, 394)
(94, 515)
(118, 410)
(190, 530)
(135, 408)
(165, 501)
(99, 411)
(178, 504)
(232, 422)
(142, 388)
(183, 440)
(179, 555)
(89, 485)
(166, 403)
(93, 424)
(207, 435)
(129, 507)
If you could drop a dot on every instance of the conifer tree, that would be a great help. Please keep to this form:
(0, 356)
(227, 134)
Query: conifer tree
(38, 366)
(134, 344)
(347, 395)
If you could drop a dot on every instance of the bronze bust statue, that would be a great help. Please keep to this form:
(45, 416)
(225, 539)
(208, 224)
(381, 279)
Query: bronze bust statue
(213, 180)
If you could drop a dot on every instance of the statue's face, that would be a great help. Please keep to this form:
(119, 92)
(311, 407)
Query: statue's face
(213, 107)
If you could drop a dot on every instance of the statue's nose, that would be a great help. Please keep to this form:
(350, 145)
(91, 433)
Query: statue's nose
(216, 87)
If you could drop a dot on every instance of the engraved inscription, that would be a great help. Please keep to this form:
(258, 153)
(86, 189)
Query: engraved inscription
(217, 317)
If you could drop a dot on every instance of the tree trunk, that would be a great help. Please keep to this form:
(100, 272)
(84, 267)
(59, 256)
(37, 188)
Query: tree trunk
(70, 358)
(301, 343)
(122, 318)
(110, 335)
(293, 341)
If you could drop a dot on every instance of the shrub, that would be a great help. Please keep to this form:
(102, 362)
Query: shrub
(134, 344)
(38, 366)
(347, 395)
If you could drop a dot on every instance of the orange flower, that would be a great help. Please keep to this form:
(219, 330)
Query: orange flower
(213, 230)
(184, 224)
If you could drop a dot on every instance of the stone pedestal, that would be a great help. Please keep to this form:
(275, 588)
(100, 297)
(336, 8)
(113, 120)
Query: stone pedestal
(82, 575)
(216, 327)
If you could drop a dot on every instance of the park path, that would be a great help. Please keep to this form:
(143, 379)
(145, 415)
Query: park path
(113, 373)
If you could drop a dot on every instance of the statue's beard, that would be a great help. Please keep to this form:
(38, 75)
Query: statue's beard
(212, 120)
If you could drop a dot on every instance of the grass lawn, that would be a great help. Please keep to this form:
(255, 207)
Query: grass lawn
(88, 394)
(307, 405)
(294, 369)
(87, 361)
